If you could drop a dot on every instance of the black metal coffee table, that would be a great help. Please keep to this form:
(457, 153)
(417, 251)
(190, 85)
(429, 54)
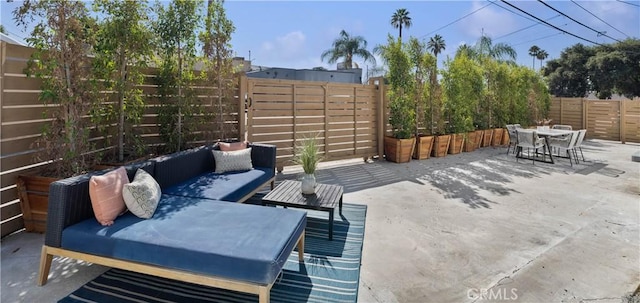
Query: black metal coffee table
(289, 194)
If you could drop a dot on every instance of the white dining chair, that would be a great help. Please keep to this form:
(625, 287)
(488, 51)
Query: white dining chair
(578, 146)
(529, 139)
(513, 138)
(562, 126)
(566, 146)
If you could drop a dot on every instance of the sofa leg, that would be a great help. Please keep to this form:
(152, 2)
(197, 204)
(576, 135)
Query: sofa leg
(45, 265)
(301, 248)
(273, 184)
(263, 296)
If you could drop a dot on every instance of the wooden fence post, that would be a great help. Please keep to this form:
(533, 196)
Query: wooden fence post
(326, 121)
(381, 123)
(622, 120)
(242, 102)
(585, 113)
(560, 122)
(355, 120)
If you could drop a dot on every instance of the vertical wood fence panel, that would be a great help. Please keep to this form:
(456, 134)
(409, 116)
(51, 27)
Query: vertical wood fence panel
(344, 117)
(22, 119)
(617, 120)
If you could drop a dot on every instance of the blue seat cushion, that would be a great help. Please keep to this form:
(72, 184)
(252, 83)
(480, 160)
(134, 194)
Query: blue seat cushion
(231, 186)
(236, 241)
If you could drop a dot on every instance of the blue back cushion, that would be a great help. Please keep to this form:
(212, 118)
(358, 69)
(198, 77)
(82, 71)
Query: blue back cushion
(231, 186)
(178, 167)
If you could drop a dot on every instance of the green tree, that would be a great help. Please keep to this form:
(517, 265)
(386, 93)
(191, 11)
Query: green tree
(399, 19)
(436, 45)
(568, 76)
(542, 55)
(462, 83)
(346, 46)
(533, 52)
(401, 83)
(122, 51)
(615, 68)
(218, 55)
(176, 26)
(60, 38)
(485, 48)
(423, 63)
(2, 30)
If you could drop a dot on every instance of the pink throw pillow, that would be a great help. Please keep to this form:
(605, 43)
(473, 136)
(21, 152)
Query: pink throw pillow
(233, 146)
(106, 195)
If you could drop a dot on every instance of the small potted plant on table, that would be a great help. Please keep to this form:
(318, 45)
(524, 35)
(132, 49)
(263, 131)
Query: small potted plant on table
(307, 155)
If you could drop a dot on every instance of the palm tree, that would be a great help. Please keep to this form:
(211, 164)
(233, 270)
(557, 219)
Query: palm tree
(542, 54)
(533, 52)
(498, 51)
(347, 46)
(401, 18)
(436, 45)
(466, 50)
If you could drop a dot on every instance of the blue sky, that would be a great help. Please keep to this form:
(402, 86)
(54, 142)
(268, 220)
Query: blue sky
(295, 33)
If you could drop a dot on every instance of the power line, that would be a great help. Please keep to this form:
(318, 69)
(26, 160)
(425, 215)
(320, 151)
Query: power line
(511, 11)
(625, 2)
(576, 21)
(592, 14)
(536, 39)
(450, 23)
(524, 28)
(549, 24)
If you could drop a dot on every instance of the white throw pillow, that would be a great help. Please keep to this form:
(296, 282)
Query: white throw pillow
(142, 195)
(239, 160)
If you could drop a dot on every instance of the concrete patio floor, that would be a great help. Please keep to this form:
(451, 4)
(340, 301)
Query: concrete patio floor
(473, 227)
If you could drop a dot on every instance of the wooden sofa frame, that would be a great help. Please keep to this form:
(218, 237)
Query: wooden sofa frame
(263, 291)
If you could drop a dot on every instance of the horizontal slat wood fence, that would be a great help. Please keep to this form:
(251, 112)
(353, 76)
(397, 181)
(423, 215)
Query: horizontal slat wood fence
(22, 119)
(343, 117)
(616, 120)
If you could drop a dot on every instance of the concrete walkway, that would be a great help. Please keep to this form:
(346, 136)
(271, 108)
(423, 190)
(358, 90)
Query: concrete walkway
(473, 227)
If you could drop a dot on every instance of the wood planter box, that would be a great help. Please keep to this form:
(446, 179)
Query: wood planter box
(470, 142)
(33, 192)
(487, 135)
(441, 145)
(398, 150)
(423, 148)
(497, 136)
(505, 138)
(456, 144)
(479, 137)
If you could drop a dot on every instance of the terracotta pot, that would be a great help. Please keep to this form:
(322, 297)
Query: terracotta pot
(398, 150)
(456, 144)
(486, 137)
(470, 142)
(424, 144)
(441, 145)
(33, 192)
(497, 136)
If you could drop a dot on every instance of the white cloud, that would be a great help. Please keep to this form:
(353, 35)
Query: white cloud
(491, 20)
(622, 16)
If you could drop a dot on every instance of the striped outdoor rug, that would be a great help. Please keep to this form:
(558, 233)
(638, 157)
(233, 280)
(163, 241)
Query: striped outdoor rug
(331, 272)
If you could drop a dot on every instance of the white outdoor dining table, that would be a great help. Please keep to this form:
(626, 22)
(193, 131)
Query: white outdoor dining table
(546, 134)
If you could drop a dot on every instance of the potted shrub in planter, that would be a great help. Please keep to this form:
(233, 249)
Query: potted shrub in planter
(399, 147)
(462, 85)
(470, 141)
(60, 61)
(425, 68)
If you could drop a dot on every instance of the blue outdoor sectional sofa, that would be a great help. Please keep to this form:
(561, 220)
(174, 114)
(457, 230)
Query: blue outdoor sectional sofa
(197, 234)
